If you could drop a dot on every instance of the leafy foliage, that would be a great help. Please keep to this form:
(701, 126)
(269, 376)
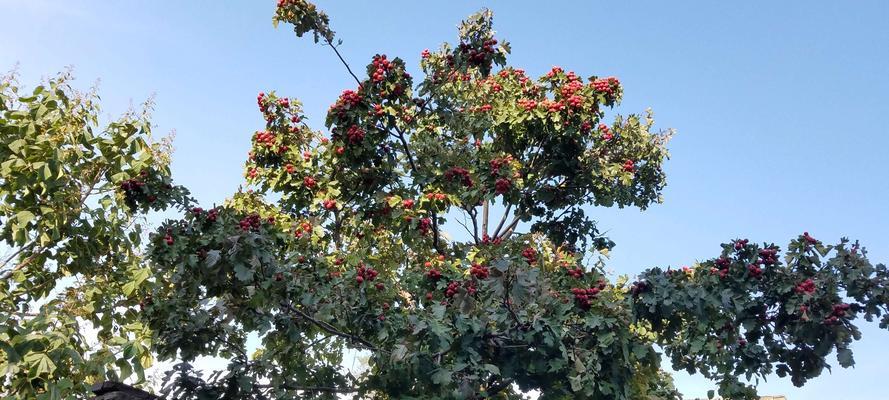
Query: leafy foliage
(341, 248)
(748, 314)
(72, 234)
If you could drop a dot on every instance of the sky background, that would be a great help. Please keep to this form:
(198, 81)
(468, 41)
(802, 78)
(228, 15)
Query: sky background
(780, 107)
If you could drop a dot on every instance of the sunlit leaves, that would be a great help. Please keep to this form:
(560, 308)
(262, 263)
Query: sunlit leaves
(70, 229)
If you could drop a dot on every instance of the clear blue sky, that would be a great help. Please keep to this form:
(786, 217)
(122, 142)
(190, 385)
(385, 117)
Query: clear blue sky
(780, 107)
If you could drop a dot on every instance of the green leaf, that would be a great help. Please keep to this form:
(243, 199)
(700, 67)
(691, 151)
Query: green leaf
(17, 145)
(492, 369)
(844, 357)
(40, 363)
(441, 377)
(24, 216)
(243, 273)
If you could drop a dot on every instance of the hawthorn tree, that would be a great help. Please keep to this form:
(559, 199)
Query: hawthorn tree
(352, 254)
(439, 229)
(73, 196)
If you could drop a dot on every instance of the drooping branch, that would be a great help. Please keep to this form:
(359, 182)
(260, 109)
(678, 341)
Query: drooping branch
(329, 328)
(320, 389)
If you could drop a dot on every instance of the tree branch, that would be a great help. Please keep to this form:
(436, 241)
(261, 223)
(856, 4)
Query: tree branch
(509, 228)
(343, 60)
(410, 158)
(322, 389)
(485, 219)
(495, 389)
(330, 329)
(502, 220)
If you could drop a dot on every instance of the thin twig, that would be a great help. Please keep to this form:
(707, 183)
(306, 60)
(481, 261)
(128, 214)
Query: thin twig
(343, 60)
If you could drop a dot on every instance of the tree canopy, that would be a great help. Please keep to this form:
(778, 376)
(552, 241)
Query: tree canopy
(439, 227)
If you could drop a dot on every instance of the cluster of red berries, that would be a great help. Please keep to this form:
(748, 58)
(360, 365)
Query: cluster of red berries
(629, 166)
(309, 182)
(575, 101)
(479, 271)
(606, 132)
(407, 204)
(304, 228)
(768, 256)
(530, 255)
(137, 191)
(573, 86)
(433, 274)
(486, 240)
(739, 244)
(583, 297)
(211, 215)
(134, 193)
(502, 185)
(555, 71)
(251, 222)
(452, 288)
(425, 53)
(494, 85)
(807, 286)
(527, 104)
(381, 65)
(755, 270)
(350, 98)
(425, 226)
(498, 163)
(478, 56)
(329, 204)
(365, 274)
(839, 311)
(552, 106)
(260, 101)
(605, 85)
(131, 184)
(723, 264)
(461, 174)
(809, 240)
(639, 287)
(168, 238)
(506, 73)
(355, 134)
(436, 196)
(283, 103)
(576, 273)
(265, 137)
